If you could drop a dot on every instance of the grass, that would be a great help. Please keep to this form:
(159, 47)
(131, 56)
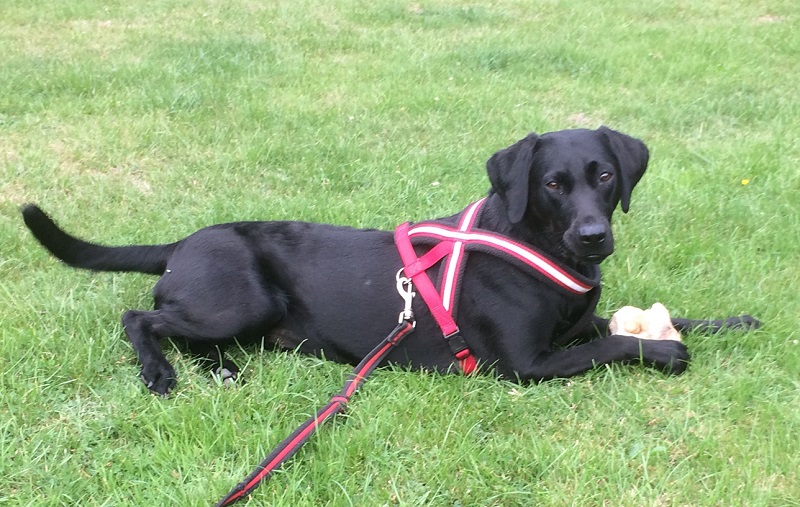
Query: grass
(142, 121)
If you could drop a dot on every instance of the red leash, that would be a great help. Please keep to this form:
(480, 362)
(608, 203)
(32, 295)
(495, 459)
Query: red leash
(293, 442)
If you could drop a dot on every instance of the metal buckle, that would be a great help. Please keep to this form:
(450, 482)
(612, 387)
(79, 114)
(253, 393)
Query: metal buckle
(406, 290)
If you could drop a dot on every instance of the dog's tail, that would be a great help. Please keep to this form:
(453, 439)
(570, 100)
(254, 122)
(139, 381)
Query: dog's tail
(83, 254)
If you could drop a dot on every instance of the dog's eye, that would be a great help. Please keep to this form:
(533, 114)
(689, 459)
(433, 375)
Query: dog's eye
(605, 176)
(553, 185)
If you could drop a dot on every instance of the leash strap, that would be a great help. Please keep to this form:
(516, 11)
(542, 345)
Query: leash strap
(293, 442)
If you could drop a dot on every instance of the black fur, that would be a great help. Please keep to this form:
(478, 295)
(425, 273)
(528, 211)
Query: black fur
(331, 290)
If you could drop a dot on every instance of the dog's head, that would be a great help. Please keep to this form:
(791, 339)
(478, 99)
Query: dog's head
(561, 188)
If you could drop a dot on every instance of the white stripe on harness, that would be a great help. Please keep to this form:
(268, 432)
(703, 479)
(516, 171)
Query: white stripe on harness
(524, 254)
(454, 260)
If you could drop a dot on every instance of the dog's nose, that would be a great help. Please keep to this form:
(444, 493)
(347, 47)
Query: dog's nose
(592, 234)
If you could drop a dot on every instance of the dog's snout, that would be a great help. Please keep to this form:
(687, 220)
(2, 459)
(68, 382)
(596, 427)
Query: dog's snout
(592, 234)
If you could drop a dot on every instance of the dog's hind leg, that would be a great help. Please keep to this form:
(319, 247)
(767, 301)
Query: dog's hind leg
(205, 333)
(142, 329)
(206, 320)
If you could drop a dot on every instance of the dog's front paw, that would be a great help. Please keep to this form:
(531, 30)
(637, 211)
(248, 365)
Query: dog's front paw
(742, 323)
(159, 377)
(669, 356)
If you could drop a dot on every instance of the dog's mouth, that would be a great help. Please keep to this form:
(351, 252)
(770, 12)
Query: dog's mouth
(582, 256)
(569, 254)
(592, 258)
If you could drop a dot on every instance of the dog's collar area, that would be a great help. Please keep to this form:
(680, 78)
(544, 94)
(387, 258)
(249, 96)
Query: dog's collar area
(450, 245)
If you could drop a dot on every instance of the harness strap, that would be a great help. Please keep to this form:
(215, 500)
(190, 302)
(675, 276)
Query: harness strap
(524, 257)
(293, 442)
(433, 256)
(441, 306)
(454, 266)
(421, 279)
(415, 269)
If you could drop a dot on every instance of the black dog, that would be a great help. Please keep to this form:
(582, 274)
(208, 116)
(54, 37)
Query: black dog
(331, 290)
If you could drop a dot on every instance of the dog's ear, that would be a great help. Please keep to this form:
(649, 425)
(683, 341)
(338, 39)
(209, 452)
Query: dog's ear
(632, 157)
(509, 170)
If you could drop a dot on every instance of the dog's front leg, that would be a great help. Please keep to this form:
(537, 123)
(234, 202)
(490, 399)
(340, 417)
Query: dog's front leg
(666, 355)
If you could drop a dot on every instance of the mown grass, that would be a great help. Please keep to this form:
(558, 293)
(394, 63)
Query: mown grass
(142, 121)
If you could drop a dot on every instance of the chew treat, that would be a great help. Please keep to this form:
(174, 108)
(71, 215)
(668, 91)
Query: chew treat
(651, 324)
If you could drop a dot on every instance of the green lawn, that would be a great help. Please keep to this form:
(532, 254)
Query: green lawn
(142, 121)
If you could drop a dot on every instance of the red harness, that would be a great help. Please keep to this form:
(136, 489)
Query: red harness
(451, 244)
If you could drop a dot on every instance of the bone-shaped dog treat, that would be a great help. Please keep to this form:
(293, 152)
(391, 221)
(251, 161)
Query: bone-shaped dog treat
(651, 324)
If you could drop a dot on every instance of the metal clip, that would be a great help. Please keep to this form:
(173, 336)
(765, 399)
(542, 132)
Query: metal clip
(406, 291)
